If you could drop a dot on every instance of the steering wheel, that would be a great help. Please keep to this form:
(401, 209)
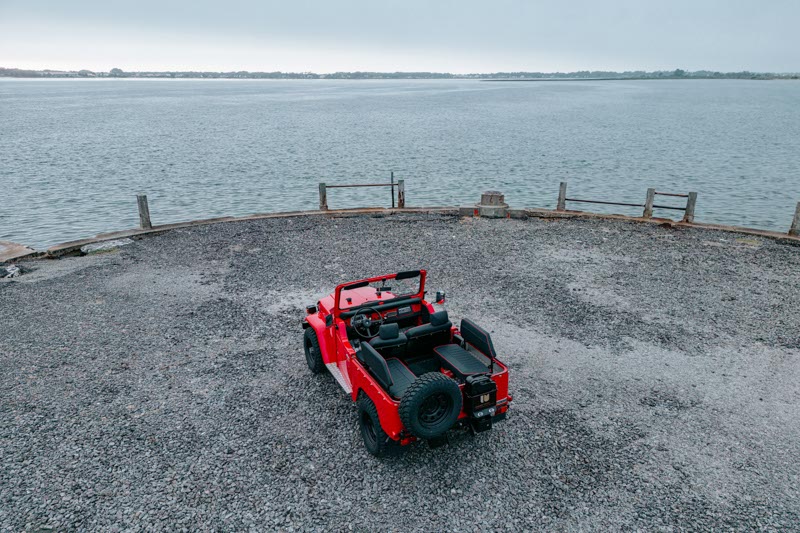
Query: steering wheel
(363, 322)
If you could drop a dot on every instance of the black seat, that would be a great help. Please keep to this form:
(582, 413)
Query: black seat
(402, 377)
(389, 336)
(478, 337)
(459, 361)
(426, 336)
(392, 375)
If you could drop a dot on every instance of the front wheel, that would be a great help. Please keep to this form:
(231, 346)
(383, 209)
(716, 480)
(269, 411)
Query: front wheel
(313, 353)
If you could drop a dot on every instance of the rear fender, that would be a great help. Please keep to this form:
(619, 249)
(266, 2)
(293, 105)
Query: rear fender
(387, 408)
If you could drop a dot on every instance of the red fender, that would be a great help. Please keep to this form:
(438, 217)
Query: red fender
(326, 342)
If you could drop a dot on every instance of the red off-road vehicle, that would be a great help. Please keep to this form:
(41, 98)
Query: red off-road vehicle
(413, 373)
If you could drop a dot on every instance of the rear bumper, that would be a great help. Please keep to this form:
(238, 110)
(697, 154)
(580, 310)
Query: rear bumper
(484, 419)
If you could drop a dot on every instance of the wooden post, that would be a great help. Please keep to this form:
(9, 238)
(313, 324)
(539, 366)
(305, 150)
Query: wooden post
(144, 212)
(691, 201)
(795, 229)
(562, 197)
(401, 194)
(648, 203)
(392, 188)
(323, 197)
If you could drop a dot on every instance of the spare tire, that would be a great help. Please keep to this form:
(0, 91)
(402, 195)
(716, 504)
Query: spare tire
(431, 405)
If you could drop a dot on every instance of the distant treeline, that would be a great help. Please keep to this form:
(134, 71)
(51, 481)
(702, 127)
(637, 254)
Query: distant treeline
(243, 74)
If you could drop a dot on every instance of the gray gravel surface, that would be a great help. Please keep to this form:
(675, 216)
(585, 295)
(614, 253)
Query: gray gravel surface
(162, 385)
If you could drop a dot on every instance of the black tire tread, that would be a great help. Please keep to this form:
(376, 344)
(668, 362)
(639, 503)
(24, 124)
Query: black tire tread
(385, 446)
(406, 409)
(319, 364)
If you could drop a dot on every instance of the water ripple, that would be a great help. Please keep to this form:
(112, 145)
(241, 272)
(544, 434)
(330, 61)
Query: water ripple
(74, 153)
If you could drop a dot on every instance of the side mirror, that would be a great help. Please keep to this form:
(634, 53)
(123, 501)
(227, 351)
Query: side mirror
(440, 296)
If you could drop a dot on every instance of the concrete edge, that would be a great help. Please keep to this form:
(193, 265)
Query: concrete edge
(10, 251)
(73, 247)
(547, 213)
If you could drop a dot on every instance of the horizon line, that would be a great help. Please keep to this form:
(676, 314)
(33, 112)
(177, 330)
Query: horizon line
(116, 72)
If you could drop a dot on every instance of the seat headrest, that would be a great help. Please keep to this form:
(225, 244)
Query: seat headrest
(439, 318)
(389, 331)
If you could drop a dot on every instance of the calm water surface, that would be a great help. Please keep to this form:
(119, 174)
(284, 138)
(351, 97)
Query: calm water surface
(73, 153)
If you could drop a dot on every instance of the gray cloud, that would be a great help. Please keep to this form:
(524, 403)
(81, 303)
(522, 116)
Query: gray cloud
(466, 35)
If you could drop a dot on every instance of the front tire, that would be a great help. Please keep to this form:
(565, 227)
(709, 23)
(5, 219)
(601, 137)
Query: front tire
(313, 353)
(431, 405)
(376, 441)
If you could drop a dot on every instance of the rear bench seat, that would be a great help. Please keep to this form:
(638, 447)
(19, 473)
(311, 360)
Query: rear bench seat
(459, 361)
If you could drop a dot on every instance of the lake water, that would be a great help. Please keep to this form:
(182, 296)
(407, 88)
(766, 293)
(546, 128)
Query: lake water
(74, 153)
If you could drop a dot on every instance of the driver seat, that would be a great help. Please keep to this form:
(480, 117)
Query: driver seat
(437, 332)
(389, 336)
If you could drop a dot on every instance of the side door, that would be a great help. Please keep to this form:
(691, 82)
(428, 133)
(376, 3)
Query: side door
(338, 341)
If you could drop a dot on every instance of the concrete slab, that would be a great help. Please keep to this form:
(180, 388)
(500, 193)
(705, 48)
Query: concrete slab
(105, 246)
(73, 247)
(12, 250)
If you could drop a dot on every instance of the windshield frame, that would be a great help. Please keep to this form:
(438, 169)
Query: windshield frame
(367, 281)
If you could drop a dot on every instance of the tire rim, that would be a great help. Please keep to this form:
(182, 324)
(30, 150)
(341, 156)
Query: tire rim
(370, 435)
(434, 409)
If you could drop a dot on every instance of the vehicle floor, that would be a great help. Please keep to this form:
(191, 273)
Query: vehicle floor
(422, 364)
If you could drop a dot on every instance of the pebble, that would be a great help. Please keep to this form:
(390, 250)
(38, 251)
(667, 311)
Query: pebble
(164, 387)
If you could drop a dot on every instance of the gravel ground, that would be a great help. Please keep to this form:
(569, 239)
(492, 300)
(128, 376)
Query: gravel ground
(162, 386)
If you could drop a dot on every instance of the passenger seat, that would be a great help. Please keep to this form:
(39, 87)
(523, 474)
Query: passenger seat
(423, 338)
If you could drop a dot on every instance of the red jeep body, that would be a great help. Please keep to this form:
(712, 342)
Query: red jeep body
(371, 302)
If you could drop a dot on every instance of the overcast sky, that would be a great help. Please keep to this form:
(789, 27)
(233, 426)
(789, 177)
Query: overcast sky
(407, 35)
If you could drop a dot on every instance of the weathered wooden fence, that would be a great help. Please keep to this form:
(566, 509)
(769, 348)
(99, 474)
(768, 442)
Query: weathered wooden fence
(144, 211)
(795, 229)
(648, 205)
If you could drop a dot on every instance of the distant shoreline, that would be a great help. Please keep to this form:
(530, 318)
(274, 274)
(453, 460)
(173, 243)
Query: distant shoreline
(640, 79)
(496, 76)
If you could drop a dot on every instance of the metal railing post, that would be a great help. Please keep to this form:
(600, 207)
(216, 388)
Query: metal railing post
(391, 189)
(691, 201)
(562, 197)
(323, 197)
(144, 212)
(795, 229)
(648, 203)
(401, 194)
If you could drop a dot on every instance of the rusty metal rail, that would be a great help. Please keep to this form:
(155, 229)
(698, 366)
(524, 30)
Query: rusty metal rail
(361, 185)
(648, 205)
(400, 186)
(600, 202)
